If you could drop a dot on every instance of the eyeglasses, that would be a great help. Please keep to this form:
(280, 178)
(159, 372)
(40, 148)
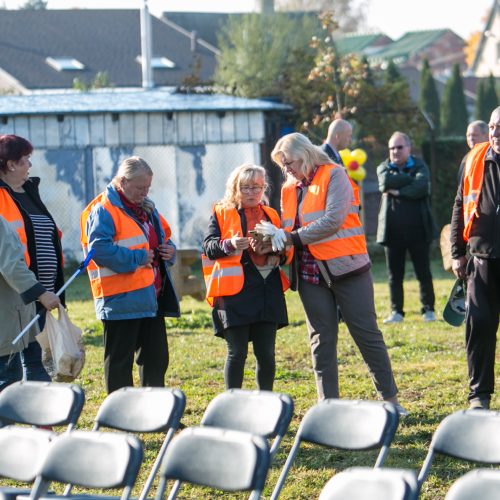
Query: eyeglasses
(251, 189)
(394, 148)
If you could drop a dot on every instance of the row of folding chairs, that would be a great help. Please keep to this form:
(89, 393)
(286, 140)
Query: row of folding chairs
(230, 451)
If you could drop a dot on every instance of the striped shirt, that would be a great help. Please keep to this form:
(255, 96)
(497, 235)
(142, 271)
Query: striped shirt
(44, 231)
(46, 256)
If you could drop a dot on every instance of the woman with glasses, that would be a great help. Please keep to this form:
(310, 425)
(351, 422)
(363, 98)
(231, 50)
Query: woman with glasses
(244, 283)
(330, 264)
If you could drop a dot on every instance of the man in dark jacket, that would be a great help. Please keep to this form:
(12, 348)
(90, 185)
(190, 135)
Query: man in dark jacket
(405, 224)
(338, 138)
(475, 224)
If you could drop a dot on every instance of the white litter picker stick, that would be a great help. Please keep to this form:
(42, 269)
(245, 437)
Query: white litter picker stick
(80, 269)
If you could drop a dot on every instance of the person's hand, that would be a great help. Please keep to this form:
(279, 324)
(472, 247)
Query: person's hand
(166, 251)
(261, 247)
(273, 260)
(394, 192)
(151, 256)
(458, 267)
(240, 242)
(278, 236)
(49, 300)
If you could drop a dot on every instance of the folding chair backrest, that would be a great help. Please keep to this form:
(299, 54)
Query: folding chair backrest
(264, 413)
(41, 403)
(91, 459)
(346, 425)
(479, 484)
(217, 458)
(144, 409)
(472, 435)
(22, 452)
(363, 483)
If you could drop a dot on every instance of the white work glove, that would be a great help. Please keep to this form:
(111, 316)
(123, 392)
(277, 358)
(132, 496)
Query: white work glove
(278, 236)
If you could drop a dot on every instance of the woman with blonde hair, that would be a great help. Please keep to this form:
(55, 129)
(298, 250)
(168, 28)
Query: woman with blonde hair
(330, 264)
(129, 276)
(244, 282)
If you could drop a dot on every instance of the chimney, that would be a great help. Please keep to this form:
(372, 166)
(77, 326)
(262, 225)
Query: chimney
(266, 6)
(147, 74)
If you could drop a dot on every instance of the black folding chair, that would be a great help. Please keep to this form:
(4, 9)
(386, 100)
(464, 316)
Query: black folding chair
(143, 410)
(41, 404)
(217, 458)
(363, 483)
(346, 425)
(22, 453)
(479, 484)
(472, 435)
(97, 460)
(264, 413)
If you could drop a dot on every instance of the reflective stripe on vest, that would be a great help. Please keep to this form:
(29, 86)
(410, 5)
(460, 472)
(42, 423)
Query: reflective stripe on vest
(105, 282)
(472, 184)
(224, 276)
(348, 240)
(12, 215)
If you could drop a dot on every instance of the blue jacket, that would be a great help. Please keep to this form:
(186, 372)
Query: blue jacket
(140, 303)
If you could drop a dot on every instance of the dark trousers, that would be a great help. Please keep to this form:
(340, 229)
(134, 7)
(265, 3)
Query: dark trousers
(355, 297)
(481, 324)
(263, 337)
(144, 337)
(395, 258)
(10, 370)
(33, 368)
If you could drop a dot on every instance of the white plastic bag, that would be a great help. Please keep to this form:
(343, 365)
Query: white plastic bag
(63, 352)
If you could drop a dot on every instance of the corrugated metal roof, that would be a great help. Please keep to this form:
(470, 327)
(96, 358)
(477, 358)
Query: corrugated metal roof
(157, 100)
(354, 44)
(409, 43)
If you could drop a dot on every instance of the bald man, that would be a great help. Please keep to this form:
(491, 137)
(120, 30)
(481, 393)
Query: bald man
(339, 137)
(477, 132)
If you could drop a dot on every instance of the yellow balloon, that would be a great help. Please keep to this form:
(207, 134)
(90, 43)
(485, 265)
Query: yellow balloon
(345, 154)
(357, 175)
(359, 155)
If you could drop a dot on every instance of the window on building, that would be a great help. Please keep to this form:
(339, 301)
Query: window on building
(158, 62)
(65, 63)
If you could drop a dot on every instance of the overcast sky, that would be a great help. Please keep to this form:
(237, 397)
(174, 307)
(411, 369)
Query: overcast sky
(393, 17)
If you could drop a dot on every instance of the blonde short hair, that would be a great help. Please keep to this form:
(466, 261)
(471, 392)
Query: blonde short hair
(240, 175)
(297, 146)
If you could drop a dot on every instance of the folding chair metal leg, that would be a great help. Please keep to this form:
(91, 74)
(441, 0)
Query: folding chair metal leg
(285, 470)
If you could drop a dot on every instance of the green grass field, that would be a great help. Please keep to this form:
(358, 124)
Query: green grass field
(428, 361)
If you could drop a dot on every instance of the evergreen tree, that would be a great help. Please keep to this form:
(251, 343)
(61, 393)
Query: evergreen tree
(491, 96)
(429, 98)
(392, 74)
(454, 117)
(480, 110)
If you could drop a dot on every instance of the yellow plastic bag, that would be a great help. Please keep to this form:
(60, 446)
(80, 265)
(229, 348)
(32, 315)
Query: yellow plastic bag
(63, 352)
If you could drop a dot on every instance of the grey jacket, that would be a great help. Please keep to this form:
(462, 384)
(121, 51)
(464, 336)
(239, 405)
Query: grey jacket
(18, 291)
(338, 205)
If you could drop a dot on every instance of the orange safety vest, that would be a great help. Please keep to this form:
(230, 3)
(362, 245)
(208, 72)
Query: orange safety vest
(12, 215)
(348, 240)
(224, 276)
(472, 184)
(104, 281)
